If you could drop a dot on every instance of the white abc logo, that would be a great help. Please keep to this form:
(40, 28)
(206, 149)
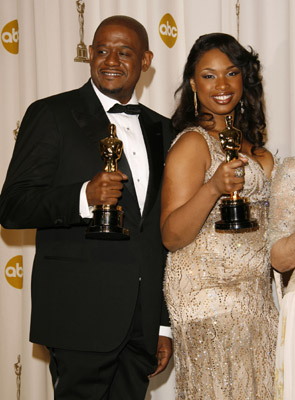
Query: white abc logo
(10, 37)
(167, 30)
(14, 271)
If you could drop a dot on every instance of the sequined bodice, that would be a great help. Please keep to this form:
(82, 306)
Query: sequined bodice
(226, 256)
(218, 294)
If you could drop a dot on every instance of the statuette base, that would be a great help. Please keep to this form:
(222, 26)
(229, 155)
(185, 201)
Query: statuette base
(82, 54)
(235, 216)
(107, 224)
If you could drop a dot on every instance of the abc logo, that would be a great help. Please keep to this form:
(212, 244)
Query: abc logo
(9, 36)
(168, 30)
(14, 272)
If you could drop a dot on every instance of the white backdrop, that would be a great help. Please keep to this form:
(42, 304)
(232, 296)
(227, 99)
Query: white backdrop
(39, 41)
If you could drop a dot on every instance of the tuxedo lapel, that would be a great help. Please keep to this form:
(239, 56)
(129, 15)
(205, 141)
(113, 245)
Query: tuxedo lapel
(153, 137)
(90, 116)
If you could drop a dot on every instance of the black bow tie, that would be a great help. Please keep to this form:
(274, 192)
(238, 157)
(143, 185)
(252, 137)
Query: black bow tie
(132, 109)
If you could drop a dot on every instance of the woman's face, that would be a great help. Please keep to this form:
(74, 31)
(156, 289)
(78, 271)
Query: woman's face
(218, 83)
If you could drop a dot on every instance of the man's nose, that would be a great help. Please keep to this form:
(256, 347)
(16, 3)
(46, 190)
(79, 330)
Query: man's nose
(112, 59)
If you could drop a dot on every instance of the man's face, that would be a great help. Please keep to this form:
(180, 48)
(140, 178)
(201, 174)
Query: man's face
(117, 58)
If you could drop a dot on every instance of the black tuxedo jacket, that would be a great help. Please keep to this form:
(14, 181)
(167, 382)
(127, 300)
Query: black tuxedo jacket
(84, 291)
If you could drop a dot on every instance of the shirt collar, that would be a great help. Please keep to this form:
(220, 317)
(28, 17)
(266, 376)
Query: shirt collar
(108, 102)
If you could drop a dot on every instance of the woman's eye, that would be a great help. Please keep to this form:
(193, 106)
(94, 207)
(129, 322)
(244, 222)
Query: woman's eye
(233, 73)
(208, 76)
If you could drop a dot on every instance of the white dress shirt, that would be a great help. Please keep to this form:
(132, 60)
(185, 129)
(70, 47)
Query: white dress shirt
(129, 131)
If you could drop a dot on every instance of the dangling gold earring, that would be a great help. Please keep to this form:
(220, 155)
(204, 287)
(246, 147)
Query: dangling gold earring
(196, 104)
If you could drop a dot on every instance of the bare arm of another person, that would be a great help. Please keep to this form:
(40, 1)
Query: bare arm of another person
(283, 254)
(186, 199)
(282, 217)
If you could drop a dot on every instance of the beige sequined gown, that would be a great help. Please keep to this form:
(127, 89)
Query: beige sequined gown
(218, 292)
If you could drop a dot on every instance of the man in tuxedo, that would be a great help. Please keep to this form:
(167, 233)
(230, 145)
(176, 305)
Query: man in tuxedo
(96, 304)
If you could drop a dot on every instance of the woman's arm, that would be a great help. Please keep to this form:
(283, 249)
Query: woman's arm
(186, 200)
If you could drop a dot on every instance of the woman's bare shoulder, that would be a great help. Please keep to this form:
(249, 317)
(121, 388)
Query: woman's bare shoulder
(191, 149)
(191, 140)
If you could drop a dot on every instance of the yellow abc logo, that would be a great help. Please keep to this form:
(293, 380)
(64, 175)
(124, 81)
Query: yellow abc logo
(168, 30)
(14, 272)
(9, 36)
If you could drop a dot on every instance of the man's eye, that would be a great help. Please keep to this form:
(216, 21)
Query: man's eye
(124, 54)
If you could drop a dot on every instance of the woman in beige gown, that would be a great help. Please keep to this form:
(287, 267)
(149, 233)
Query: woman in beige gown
(282, 246)
(217, 285)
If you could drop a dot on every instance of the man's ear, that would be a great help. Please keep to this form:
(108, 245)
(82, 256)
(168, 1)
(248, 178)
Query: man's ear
(90, 52)
(146, 60)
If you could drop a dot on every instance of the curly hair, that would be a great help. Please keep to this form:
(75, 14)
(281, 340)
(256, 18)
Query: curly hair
(252, 120)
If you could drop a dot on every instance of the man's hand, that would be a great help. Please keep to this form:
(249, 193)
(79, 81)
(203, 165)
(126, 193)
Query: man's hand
(164, 352)
(105, 188)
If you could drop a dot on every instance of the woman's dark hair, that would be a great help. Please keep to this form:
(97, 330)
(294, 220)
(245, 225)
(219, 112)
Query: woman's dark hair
(252, 121)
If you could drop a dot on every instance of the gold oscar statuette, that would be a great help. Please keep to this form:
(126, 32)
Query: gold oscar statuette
(18, 373)
(108, 219)
(82, 55)
(235, 211)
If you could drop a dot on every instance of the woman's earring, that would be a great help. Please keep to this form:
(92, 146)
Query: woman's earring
(196, 104)
(242, 106)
